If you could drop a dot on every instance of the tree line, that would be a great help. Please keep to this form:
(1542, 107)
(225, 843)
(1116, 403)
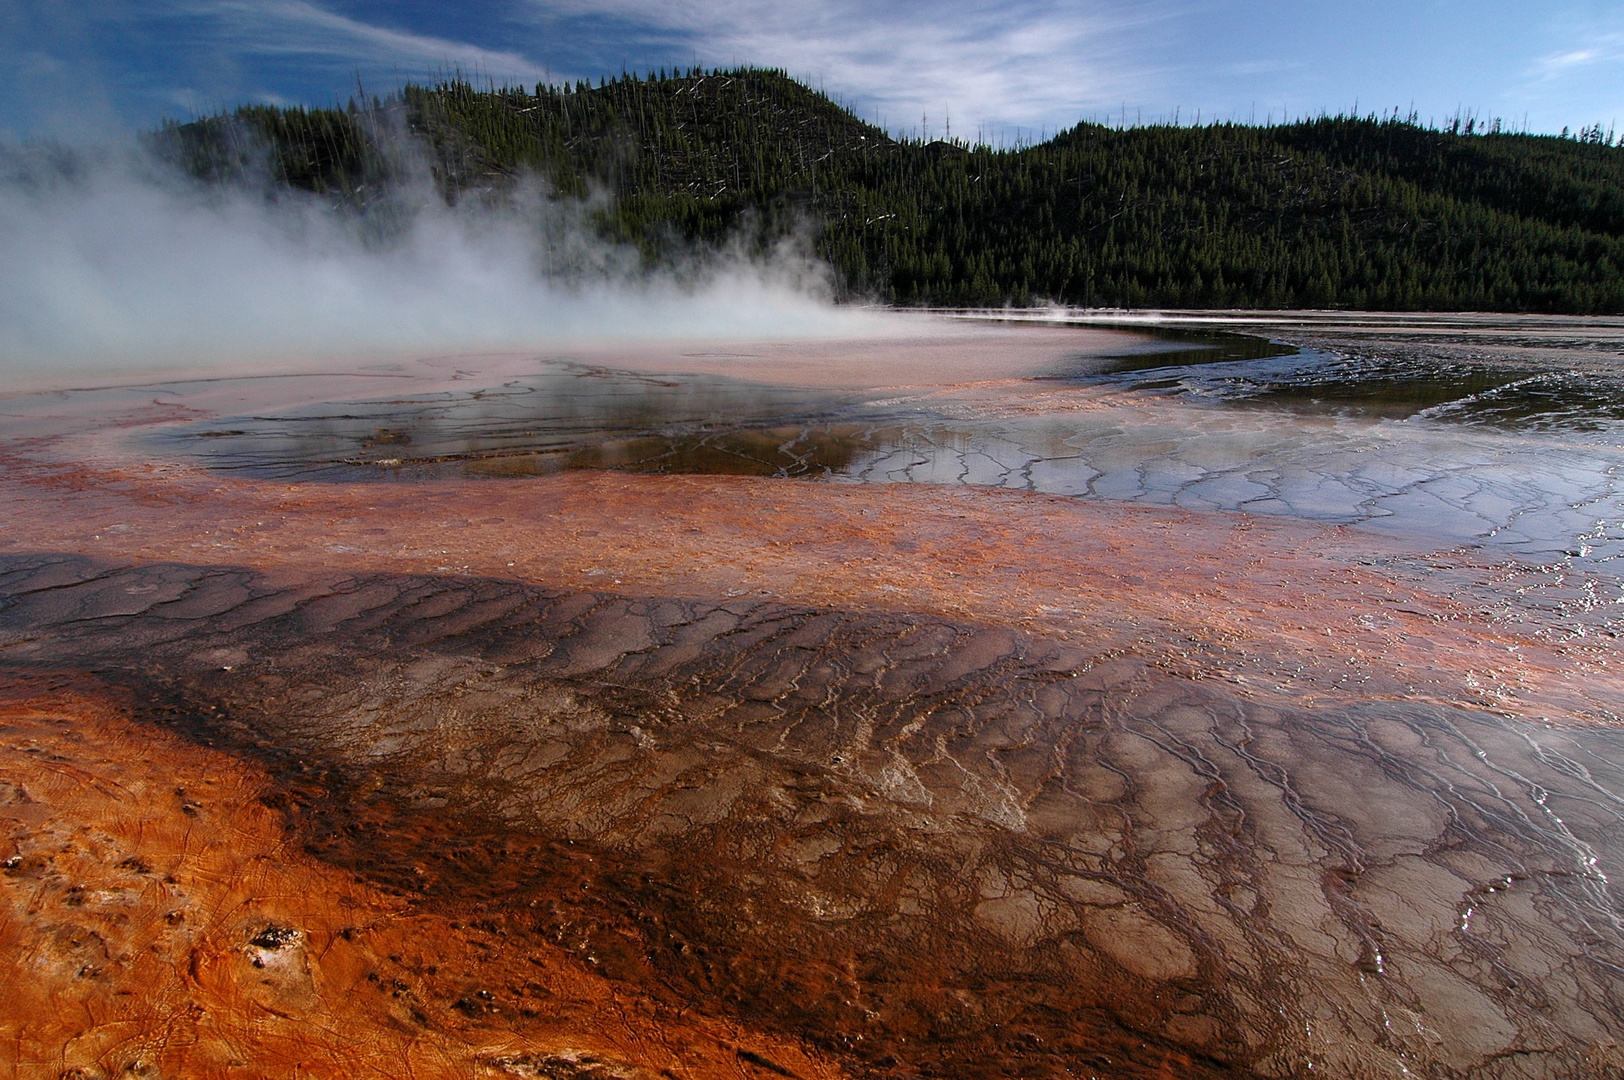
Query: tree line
(1338, 211)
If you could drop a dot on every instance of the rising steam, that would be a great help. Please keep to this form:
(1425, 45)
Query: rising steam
(117, 264)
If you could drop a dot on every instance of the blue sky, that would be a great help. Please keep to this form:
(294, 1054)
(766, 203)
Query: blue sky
(93, 68)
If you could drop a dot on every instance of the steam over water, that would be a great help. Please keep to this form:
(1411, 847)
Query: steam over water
(115, 264)
(964, 700)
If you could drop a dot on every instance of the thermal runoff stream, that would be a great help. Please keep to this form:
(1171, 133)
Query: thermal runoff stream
(973, 699)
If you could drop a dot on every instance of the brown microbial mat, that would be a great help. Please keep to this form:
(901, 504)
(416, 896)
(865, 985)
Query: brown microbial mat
(521, 756)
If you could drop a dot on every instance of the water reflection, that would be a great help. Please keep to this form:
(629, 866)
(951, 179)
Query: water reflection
(1521, 455)
(1395, 387)
(568, 415)
(1174, 348)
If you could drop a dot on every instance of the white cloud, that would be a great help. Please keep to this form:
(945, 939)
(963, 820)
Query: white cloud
(299, 28)
(94, 68)
(1574, 86)
(1606, 49)
(990, 64)
(1564, 61)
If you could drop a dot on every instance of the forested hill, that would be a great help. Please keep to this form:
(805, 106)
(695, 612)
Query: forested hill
(1335, 212)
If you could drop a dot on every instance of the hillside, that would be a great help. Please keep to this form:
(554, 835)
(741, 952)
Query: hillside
(1336, 212)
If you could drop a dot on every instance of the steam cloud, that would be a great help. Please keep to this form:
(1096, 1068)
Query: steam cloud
(117, 266)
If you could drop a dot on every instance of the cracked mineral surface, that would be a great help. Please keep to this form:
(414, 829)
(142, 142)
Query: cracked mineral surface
(625, 716)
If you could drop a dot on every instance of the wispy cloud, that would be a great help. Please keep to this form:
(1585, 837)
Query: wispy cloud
(1574, 85)
(297, 28)
(1603, 49)
(98, 66)
(988, 64)
(993, 65)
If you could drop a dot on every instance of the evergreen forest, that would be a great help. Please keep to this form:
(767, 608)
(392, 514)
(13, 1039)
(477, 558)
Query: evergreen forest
(1335, 212)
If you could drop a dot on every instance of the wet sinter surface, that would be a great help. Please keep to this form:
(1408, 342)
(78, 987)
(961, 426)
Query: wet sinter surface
(1521, 452)
(920, 845)
(493, 762)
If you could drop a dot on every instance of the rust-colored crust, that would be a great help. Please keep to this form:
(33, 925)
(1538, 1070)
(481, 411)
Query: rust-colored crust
(157, 919)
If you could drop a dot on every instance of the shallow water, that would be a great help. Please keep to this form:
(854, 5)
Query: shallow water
(875, 718)
(1524, 455)
(564, 415)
